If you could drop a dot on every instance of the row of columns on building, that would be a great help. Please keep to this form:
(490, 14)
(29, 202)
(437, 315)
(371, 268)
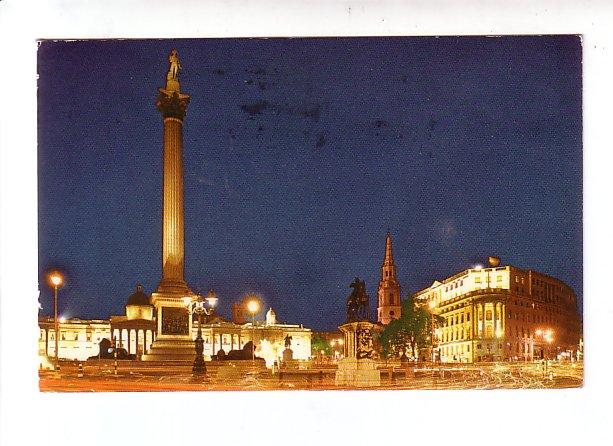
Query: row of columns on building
(148, 336)
(217, 341)
(478, 315)
(124, 337)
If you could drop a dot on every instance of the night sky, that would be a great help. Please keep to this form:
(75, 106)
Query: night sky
(299, 155)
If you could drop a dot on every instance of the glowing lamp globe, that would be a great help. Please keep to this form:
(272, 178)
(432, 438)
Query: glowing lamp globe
(56, 279)
(253, 306)
(211, 298)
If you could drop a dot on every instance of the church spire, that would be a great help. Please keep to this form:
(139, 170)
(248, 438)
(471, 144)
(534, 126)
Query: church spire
(389, 288)
(388, 269)
(389, 257)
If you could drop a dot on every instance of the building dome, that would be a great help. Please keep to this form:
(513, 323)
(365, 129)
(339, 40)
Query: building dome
(138, 297)
(271, 317)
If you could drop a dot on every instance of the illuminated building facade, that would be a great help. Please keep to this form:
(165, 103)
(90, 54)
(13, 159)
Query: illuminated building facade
(503, 313)
(136, 331)
(388, 292)
(80, 339)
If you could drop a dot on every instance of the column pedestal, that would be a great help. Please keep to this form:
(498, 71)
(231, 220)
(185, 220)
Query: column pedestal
(358, 369)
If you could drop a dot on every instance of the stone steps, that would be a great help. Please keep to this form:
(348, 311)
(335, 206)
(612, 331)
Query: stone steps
(171, 350)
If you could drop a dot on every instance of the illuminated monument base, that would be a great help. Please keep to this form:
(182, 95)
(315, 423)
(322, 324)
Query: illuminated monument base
(357, 369)
(174, 328)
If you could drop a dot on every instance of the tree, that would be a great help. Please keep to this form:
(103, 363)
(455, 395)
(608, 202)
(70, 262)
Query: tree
(412, 331)
(318, 343)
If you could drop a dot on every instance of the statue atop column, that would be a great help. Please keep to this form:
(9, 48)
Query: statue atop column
(171, 102)
(175, 65)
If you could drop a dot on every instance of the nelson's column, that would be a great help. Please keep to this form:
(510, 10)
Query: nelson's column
(174, 324)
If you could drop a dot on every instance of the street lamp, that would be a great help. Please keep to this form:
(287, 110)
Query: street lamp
(253, 306)
(198, 306)
(547, 337)
(56, 280)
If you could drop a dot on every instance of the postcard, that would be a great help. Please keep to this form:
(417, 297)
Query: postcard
(342, 213)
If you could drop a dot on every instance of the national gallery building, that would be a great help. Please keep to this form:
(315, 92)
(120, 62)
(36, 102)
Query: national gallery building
(136, 331)
(503, 313)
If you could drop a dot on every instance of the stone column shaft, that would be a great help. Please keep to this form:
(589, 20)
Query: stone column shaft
(173, 231)
(172, 105)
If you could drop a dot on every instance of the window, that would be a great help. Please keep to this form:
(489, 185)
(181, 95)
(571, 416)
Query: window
(488, 315)
(477, 279)
(467, 317)
(499, 278)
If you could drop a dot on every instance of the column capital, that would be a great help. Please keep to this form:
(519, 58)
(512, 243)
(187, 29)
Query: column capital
(172, 104)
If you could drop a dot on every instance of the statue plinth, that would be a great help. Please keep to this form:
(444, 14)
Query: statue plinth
(172, 84)
(174, 341)
(288, 355)
(357, 368)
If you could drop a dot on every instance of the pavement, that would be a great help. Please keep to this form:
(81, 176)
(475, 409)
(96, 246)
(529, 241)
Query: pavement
(136, 376)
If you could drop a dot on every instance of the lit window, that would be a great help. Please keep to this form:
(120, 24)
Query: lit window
(477, 279)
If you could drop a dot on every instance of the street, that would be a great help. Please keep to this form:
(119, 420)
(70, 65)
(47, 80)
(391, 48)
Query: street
(134, 376)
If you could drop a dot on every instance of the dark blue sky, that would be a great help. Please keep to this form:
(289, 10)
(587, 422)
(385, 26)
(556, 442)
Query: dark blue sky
(299, 154)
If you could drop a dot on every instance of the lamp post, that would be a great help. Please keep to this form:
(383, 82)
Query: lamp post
(198, 306)
(547, 338)
(56, 280)
(253, 306)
